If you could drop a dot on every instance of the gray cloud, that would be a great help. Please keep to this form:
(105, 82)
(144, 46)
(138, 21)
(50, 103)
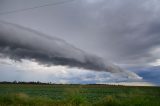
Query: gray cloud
(125, 32)
(19, 43)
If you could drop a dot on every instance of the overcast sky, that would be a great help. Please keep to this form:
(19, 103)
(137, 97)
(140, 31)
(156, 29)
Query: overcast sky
(123, 32)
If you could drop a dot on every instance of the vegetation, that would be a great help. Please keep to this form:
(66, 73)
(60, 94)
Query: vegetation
(19, 94)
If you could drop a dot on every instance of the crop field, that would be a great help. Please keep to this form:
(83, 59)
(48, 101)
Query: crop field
(77, 95)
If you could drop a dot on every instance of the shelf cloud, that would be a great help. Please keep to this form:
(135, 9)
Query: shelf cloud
(18, 42)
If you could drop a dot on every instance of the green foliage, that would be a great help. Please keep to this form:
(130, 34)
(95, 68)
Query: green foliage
(77, 95)
(107, 101)
(74, 97)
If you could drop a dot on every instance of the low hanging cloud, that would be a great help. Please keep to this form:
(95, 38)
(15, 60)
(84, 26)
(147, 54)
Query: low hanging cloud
(17, 42)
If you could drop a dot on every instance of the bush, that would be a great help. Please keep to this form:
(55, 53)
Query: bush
(108, 101)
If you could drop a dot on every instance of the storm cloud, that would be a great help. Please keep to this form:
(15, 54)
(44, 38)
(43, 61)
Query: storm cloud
(19, 42)
(123, 32)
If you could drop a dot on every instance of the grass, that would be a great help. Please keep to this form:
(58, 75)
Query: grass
(77, 95)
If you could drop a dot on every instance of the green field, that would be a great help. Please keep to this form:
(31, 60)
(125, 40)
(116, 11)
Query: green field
(77, 95)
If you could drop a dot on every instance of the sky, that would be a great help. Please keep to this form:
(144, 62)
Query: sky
(80, 41)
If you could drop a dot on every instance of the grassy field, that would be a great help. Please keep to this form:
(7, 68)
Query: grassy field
(77, 95)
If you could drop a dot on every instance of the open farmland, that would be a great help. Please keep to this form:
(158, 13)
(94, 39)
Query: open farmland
(75, 95)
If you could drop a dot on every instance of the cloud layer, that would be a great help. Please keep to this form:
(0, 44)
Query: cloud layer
(125, 32)
(27, 70)
(21, 43)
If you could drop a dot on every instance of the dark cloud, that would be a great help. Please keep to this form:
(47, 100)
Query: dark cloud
(124, 32)
(21, 43)
(46, 50)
